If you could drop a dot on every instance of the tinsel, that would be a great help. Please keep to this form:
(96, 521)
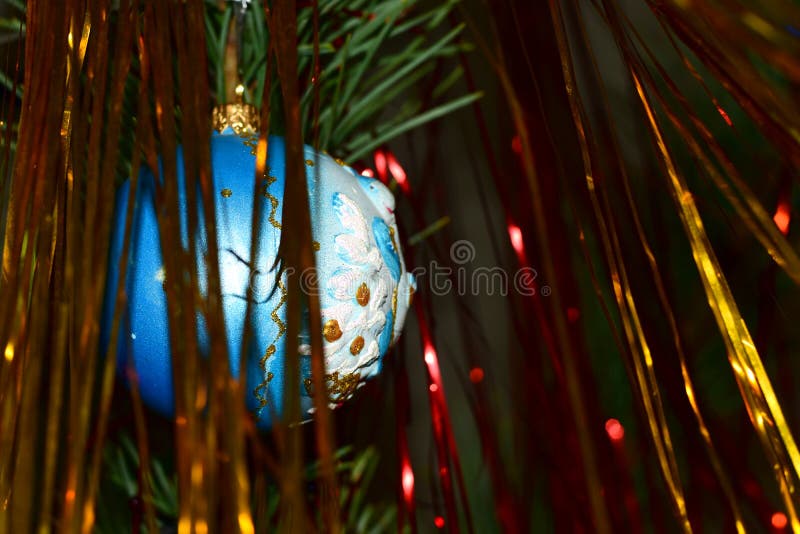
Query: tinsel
(639, 161)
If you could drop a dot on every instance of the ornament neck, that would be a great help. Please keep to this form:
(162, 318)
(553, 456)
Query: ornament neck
(243, 119)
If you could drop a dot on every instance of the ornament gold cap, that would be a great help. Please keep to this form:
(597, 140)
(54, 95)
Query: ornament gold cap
(242, 118)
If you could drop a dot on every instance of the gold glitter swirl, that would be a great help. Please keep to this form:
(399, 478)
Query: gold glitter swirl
(394, 314)
(251, 141)
(394, 293)
(274, 202)
(260, 390)
(339, 388)
(268, 354)
(343, 387)
(274, 314)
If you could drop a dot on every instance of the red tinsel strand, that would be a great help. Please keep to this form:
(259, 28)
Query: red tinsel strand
(405, 507)
(381, 166)
(616, 435)
(442, 431)
(398, 172)
(385, 161)
(387, 166)
(783, 216)
(518, 244)
(505, 505)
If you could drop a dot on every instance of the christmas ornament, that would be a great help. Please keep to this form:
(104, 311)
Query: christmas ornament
(363, 286)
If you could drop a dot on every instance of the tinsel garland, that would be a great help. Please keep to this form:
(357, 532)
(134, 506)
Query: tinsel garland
(639, 163)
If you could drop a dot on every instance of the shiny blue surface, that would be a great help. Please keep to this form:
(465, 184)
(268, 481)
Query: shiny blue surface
(352, 220)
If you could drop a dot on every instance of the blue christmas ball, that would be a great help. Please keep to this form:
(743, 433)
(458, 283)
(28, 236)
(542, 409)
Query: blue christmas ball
(364, 288)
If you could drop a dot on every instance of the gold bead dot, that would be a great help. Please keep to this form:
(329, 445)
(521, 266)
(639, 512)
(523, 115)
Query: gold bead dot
(315, 245)
(362, 294)
(309, 163)
(356, 345)
(226, 192)
(340, 162)
(331, 330)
